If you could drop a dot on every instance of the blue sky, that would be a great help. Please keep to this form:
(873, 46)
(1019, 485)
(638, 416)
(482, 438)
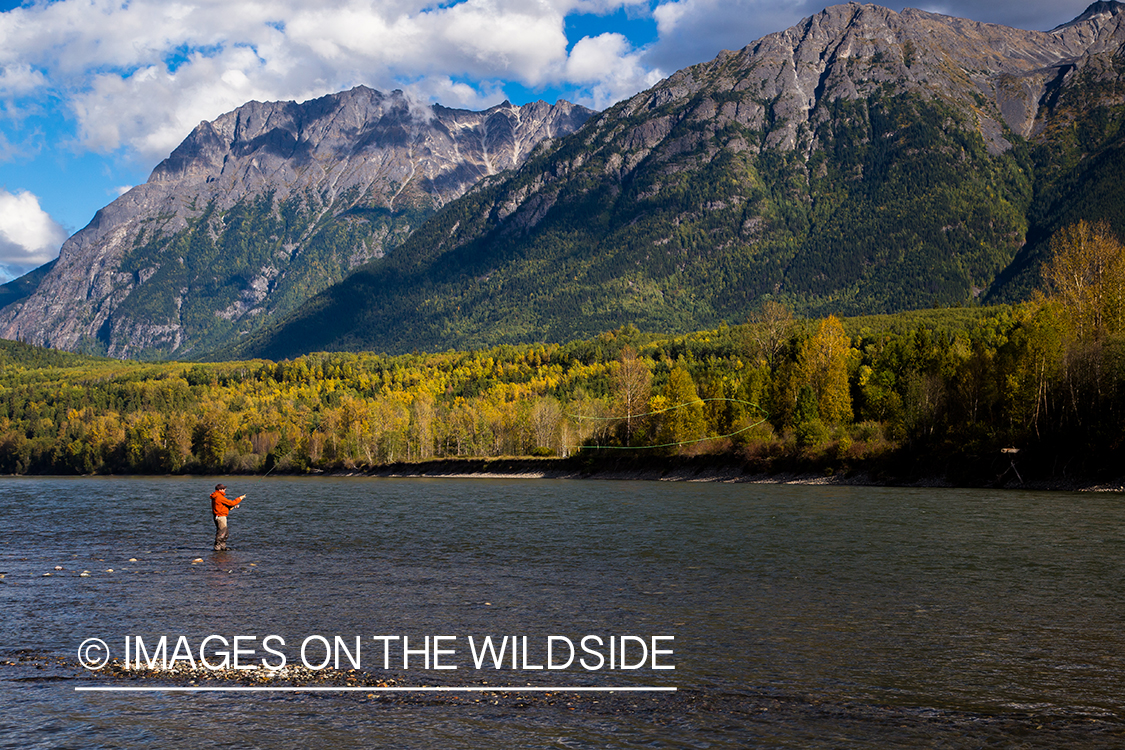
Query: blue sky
(95, 93)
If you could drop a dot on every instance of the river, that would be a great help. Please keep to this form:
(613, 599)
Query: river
(795, 616)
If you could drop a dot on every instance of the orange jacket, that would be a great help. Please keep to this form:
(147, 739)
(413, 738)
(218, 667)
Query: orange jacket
(221, 504)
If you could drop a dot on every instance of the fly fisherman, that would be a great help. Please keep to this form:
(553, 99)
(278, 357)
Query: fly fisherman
(220, 506)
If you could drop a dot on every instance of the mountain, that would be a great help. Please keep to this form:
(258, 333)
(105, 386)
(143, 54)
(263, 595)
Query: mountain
(862, 161)
(260, 209)
(24, 286)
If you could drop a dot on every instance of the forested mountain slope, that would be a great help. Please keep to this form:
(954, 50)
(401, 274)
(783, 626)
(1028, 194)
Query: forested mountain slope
(262, 208)
(862, 161)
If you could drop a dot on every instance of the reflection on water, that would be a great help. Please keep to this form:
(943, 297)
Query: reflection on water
(802, 616)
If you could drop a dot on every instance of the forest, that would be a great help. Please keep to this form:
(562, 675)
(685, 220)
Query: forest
(949, 393)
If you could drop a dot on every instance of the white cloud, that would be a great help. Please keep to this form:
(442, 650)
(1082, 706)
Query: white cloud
(140, 75)
(17, 79)
(8, 150)
(591, 56)
(611, 66)
(29, 237)
(450, 93)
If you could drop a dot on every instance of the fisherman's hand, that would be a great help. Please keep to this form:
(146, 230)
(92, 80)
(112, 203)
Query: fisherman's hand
(241, 496)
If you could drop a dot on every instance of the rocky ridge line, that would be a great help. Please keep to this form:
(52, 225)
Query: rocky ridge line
(360, 151)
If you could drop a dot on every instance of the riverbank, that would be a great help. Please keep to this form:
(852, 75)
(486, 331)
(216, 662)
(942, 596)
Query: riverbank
(713, 468)
(883, 471)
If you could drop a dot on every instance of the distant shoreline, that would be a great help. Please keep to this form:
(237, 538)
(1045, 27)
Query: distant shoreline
(704, 468)
(691, 469)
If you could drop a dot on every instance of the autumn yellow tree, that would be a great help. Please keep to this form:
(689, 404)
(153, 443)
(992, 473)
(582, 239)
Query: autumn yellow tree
(632, 386)
(422, 425)
(546, 414)
(823, 366)
(1086, 275)
(211, 437)
(769, 327)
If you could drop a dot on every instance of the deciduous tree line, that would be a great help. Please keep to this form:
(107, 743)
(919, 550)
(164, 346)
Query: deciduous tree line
(941, 390)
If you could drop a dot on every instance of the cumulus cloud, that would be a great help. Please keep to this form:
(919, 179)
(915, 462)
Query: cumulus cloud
(139, 76)
(18, 79)
(457, 94)
(612, 68)
(29, 237)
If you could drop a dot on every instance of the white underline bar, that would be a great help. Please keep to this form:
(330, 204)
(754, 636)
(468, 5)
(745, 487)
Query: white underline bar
(420, 689)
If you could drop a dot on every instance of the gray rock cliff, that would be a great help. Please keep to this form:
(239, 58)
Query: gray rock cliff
(260, 209)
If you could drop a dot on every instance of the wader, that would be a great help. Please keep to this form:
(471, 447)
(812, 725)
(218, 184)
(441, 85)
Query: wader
(220, 533)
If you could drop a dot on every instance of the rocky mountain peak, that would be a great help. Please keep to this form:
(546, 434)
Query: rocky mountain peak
(1100, 10)
(863, 160)
(280, 140)
(845, 163)
(852, 51)
(262, 207)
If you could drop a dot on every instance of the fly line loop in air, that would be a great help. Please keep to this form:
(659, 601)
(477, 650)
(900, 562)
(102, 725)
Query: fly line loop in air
(759, 409)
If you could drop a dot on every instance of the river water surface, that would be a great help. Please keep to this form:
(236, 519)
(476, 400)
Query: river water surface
(802, 616)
